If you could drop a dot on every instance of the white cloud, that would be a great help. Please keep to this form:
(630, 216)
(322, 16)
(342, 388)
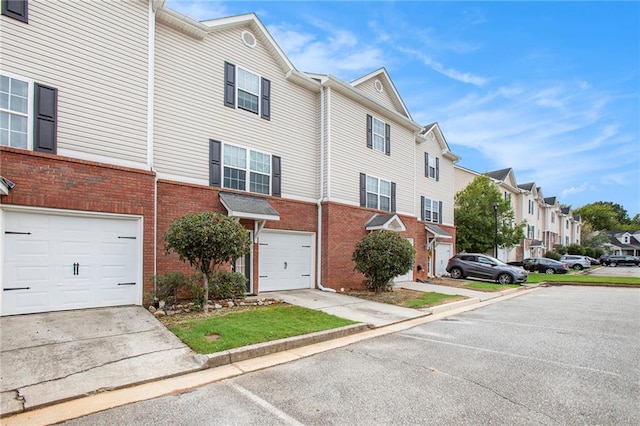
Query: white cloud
(200, 10)
(574, 190)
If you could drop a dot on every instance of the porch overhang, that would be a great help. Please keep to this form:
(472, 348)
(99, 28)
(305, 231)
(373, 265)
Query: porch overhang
(240, 206)
(437, 232)
(388, 222)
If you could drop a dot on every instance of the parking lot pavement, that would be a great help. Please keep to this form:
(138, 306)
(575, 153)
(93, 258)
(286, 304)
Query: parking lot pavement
(558, 355)
(615, 271)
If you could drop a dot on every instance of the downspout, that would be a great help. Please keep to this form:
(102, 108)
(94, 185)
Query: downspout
(319, 201)
(153, 5)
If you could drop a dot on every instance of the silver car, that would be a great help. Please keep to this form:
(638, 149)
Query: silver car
(576, 262)
(478, 265)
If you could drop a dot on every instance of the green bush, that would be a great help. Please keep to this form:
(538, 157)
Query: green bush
(560, 249)
(382, 255)
(576, 249)
(553, 255)
(227, 285)
(167, 286)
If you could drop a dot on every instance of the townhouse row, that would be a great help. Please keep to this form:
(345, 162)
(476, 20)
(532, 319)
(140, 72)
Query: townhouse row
(119, 117)
(547, 223)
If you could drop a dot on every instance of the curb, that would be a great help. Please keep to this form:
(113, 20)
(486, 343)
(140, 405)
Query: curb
(453, 305)
(267, 348)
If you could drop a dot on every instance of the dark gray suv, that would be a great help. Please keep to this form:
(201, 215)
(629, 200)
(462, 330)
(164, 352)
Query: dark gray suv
(482, 266)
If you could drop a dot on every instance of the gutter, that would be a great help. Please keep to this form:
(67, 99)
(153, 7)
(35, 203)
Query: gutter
(319, 201)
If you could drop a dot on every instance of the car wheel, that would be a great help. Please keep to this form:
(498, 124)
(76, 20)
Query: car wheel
(549, 271)
(456, 273)
(505, 279)
(577, 267)
(614, 264)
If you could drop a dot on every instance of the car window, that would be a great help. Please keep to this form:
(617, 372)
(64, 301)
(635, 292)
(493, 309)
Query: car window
(485, 261)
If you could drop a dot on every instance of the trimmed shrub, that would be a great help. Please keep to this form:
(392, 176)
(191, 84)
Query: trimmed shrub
(382, 255)
(227, 285)
(170, 284)
(553, 255)
(575, 249)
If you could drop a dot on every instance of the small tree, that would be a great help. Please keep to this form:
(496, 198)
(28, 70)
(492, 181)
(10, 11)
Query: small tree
(207, 240)
(475, 218)
(382, 255)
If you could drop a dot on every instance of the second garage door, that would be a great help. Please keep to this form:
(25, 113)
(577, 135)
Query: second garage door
(285, 261)
(56, 262)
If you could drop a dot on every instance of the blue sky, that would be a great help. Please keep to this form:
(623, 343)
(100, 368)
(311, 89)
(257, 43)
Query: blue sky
(551, 89)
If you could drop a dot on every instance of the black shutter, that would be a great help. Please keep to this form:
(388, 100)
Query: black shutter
(229, 85)
(369, 131)
(387, 139)
(426, 164)
(393, 196)
(46, 116)
(440, 212)
(363, 190)
(276, 176)
(215, 163)
(16, 9)
(437, 169)
(422, 208)
(265, 109)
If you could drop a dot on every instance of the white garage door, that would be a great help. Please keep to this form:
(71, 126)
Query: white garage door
(443, 254)
(55, 262)
(286, 261)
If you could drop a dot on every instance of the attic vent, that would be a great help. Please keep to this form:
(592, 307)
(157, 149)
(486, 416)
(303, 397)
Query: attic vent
(249, 39)
(378, 86)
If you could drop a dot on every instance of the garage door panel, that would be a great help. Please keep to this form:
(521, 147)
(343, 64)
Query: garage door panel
(69, 262)
(286, 261)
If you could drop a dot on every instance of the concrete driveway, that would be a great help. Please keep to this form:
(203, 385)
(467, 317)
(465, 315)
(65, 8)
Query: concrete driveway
(54, 356)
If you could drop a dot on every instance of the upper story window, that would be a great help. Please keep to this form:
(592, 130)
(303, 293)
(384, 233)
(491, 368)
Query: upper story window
(530, 231)
(431, 166)
(553, 218)
(16, 9)
(244, 169)
(378, 135)
(376, 193)
(431, 210)
(531, 204)
(28, 114)
(247, 91)
(14, 112)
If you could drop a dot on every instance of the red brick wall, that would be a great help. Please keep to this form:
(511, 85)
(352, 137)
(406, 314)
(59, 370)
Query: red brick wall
(176, 199)
(52, 181)
(342, 227)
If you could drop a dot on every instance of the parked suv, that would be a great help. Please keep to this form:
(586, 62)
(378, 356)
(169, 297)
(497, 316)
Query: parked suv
(482, 266)
(621, 260)
(576, 262)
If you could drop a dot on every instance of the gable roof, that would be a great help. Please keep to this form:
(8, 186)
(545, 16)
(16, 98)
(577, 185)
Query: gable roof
(382, 74)
(200, 30)
(550, 201)
(434, 129)
(500, 174)
(527, 186)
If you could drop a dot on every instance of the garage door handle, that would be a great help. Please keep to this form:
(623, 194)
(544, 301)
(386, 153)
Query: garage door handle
(76, 269)
(305, 275)
(16, 288)
(126, 283)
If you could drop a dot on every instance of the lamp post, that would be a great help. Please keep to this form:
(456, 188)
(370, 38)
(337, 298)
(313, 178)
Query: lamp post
(495, 233)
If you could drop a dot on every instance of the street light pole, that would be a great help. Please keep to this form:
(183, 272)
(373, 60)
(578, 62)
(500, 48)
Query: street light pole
(495, 234)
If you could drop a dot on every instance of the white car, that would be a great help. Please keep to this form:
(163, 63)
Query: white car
(576, 262)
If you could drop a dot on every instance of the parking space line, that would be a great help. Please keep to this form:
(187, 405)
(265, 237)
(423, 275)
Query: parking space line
(264, 404)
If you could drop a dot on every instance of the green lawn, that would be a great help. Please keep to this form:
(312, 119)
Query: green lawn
(218, 333)
(581, 279)
(431, 299)
(489, 286)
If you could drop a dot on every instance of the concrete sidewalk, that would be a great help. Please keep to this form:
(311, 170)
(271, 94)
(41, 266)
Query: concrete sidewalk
(52, 357)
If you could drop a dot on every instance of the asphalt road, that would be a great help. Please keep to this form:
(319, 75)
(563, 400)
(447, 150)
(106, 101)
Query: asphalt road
(555, 356)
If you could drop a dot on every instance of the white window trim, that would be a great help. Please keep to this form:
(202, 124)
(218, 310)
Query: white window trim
(432, 212)
(431, 164)
(30, 105)
(247, 169)
(259, 94)
(374, 134)
(378, 192)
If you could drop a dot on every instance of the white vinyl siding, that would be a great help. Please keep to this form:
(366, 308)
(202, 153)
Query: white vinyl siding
(350, 155)
(189, 109)
(443, 189)
(386, 97)
(95, 54)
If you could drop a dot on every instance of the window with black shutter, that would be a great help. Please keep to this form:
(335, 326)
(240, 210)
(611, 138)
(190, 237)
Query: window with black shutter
(246, 90)
(215, 163)
(16, 9)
